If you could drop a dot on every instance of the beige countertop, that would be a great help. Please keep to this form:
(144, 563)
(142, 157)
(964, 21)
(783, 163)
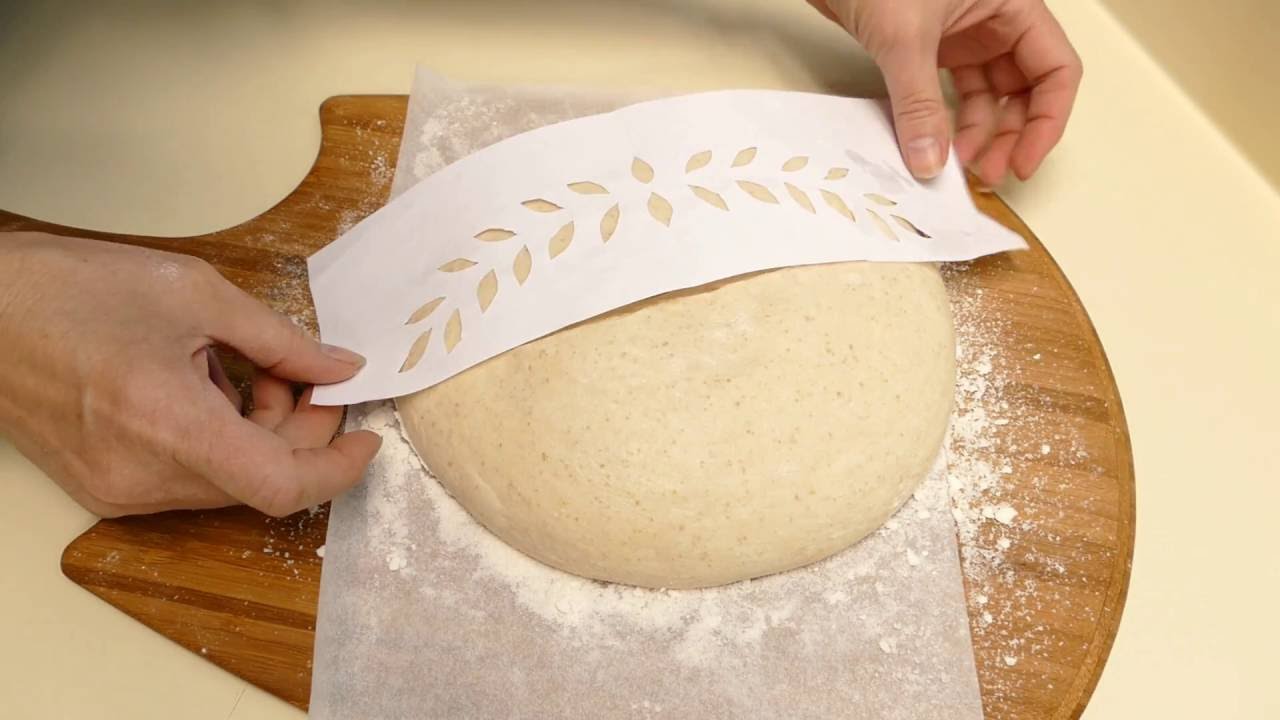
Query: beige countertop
(195, 116)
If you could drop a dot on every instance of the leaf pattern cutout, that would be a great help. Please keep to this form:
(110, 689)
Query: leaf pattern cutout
(884, 227)
(709, 197)
(495, 235)
(487, 290)
(560, 241)
(453, 331)
(796, 163)
(609, 223)
(910, 226)
(416, 351)
(641, 170)
(757, 191)
(660, 209)
(421, 313)
(540, 205)
(697, 161)
(588, 188)
(837, 203)
(457, 265)
(800, 197)
(523, 265)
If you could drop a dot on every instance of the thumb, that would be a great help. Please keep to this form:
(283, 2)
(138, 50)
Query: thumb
(274, 343)
(919, 112)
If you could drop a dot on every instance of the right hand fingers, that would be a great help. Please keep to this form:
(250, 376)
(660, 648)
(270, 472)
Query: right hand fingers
(1045, 55)
(976, 114)
(919, 112)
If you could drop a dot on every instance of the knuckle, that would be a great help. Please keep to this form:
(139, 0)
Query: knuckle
(107, 488)
(193, 274)
(277, 499)
(875, 24)
(918, 107)
(195, 265)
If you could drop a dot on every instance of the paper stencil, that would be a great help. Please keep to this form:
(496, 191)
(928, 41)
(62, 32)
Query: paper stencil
(569, 221)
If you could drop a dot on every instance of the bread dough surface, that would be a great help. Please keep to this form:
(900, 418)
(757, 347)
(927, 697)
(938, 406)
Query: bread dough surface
(702, 437)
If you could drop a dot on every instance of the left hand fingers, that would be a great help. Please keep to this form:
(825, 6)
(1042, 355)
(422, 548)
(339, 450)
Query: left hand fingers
(272, 400)
(219, 378)
(310, 426)
(300, 423)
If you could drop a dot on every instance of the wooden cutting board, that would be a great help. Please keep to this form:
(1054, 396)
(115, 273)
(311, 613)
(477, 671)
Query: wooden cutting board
(241, 589)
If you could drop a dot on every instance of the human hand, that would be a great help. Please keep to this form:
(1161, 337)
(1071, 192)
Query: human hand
(108, 383)
(1014, 70)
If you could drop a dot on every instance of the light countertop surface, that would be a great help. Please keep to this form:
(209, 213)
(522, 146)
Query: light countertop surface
(189, 117)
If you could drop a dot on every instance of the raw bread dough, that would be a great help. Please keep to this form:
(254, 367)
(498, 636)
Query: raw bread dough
(707, 436)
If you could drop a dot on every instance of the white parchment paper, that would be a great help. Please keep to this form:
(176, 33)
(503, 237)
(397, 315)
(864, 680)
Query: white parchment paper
(424, 614)
(570, 220)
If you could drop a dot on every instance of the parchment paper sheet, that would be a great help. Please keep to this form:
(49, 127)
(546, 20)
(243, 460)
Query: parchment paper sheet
(423, 614)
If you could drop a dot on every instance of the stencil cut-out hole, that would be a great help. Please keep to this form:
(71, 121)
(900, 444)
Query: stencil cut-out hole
(800, 197)
(757, 191)
(796, 163)
(587, 187)
(457, 265)
(660, 209)
(416, 351)
(884, 227)
(744, 157)
(522, 265)
(609, 223)
(487, 290)
(837, 174)
(835, 202)
(561, 240)
(709, 197)
(540, 205)
(495, 235)
(421, 313)
(453, 331)
(910, 226)
(641, 170)
(879, 199)
(697, 161)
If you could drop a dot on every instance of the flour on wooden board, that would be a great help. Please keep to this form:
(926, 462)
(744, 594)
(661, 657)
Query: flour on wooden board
(994, 531)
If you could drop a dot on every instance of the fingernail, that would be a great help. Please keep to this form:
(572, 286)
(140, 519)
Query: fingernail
(342, 354)
(925, 157)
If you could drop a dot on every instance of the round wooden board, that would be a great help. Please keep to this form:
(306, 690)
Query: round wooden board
(1045, 591)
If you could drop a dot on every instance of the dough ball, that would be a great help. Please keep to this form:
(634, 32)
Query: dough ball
(706, 436)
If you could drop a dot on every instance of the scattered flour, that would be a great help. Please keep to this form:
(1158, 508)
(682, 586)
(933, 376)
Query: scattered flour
(1005, 515)
(995, 426)
(705, 623)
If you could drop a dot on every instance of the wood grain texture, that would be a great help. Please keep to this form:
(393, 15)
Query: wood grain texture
(220, 584)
